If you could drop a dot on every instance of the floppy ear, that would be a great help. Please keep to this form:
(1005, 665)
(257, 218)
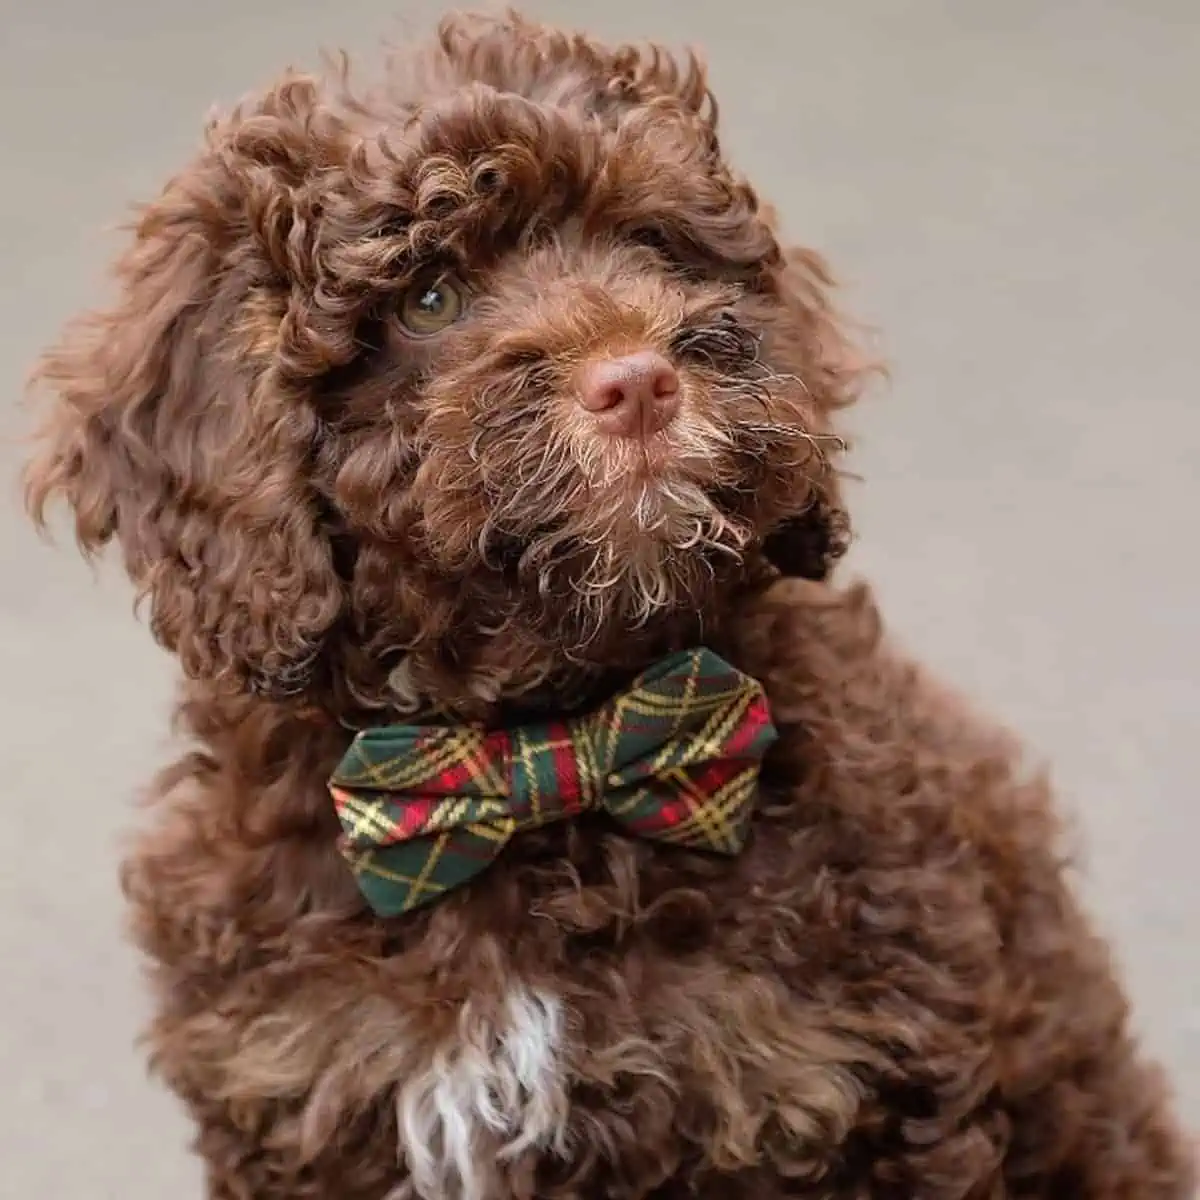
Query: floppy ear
(818, 350)
(176, 423)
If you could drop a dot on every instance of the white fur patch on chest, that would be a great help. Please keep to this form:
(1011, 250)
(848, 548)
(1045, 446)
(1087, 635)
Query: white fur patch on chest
(497, 1089)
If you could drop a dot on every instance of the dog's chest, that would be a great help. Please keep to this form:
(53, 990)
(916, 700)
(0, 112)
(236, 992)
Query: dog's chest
(494, 1090)
(508, 1082)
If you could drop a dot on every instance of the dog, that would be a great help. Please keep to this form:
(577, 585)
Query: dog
(488, 400)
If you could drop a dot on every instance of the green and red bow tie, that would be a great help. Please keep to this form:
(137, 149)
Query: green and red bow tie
(675, 758)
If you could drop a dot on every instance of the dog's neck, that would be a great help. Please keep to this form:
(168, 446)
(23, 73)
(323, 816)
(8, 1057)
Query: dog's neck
(513, 676)
(524, 675)
(498, 693)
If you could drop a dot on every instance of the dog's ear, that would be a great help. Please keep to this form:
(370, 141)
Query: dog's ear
(175, 425)
(817, 348)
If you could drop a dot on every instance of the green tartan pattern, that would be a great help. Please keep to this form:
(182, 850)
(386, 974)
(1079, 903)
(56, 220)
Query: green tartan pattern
(674, 758)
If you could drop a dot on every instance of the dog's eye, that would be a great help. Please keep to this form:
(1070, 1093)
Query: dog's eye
(431, 304)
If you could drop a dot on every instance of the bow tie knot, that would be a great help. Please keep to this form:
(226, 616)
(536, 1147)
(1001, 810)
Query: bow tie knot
(674, 758)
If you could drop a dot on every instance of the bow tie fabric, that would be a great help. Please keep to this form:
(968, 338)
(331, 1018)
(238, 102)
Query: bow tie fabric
(674, 758)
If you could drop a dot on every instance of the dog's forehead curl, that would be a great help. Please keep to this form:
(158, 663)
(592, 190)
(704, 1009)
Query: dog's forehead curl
(470, 174)
(568, 69)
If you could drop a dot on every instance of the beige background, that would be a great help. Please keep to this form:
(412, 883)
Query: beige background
(1011, 189)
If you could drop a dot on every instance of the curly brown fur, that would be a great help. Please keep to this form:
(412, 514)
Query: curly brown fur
(891, 993)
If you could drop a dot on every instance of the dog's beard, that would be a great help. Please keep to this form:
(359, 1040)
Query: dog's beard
(593, 525)
(602, 534)
(641, 552)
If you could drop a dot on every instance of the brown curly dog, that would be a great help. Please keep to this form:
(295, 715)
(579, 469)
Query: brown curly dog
(462, 401)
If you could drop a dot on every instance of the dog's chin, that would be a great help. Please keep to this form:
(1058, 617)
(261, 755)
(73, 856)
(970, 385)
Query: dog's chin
(635, 554)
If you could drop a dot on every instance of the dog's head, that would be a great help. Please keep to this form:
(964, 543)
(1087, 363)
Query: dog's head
(495, 369)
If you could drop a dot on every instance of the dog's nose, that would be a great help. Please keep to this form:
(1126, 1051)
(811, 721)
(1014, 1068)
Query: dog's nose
(635, 395)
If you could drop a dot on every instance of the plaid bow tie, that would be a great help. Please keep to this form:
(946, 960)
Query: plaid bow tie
(674, 758)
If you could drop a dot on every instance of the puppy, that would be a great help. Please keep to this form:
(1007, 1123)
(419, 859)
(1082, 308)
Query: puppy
(463, 436)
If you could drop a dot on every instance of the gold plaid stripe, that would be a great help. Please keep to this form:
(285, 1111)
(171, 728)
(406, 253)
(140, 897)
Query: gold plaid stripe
(713, 818)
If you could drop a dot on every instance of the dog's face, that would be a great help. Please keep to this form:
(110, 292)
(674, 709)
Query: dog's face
(435, 393)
